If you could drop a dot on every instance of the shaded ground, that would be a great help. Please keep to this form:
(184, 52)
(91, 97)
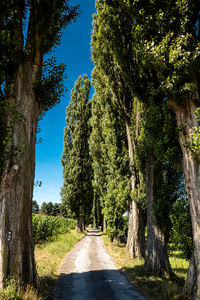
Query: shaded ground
(88, 273)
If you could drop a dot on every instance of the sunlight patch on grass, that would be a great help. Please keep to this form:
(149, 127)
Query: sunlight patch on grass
(179, 265)
(153, 287)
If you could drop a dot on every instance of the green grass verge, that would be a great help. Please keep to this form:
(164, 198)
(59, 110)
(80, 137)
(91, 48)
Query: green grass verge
(153, 287)
(49, 257)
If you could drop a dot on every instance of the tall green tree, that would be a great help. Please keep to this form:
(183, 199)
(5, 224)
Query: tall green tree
(108, 148)
(178, 52)
(28, 88)
(103, 53)
(130, 75)
(77, 192)
(170, 36)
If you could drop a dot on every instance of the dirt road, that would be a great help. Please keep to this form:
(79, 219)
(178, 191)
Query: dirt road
(88, 273)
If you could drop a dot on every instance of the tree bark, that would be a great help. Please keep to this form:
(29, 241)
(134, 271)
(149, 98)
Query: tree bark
(81, 224)
(136, 232)
(136, 228)
(157, 260)
(185, 116)
(16, 189)
(104, 224)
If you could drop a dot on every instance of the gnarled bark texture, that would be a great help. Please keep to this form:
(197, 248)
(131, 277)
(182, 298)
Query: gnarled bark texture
(157, 260)
(136, 226)
(185, 116)
(16, 248)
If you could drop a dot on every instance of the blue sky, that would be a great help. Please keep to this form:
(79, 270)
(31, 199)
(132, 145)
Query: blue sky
(74, 52)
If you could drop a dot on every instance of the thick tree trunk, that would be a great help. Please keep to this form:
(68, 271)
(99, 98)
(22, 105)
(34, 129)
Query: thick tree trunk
(16, 247)
(185, 116)
(190, 286)
(157, 260)
(136, 232)
(136, 228)
(81, 224)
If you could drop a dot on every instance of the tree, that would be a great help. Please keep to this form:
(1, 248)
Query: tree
(35, 206)
(181, 235)
(162, 156)
(44, 208)
(77, 192)
(47, 208)
(105, 34)
(57, 209)
(108, 148)
(133, 79)
(23, 98)
(172, 53)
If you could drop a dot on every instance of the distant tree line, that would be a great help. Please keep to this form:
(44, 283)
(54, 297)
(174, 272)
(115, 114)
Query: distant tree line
(50, 209)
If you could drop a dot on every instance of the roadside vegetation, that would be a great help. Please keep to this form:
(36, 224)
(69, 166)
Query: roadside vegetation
(154, 287)
(54, 238)
(46, 227)
(49, 257)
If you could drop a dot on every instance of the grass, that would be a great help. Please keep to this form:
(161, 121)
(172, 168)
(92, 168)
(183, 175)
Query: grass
(49, 257)
(179, 265)
(153, 287)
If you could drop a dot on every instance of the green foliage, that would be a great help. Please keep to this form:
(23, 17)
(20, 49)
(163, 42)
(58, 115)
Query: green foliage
(50, 86)
(45, 21)
(47, 208)
(181, 236)
(45, 227)
(10, 292)
(192, 141)
(108, 148)
(35, 206)
(116, 203)
(133, 72)
(52, 17)
(77, 192)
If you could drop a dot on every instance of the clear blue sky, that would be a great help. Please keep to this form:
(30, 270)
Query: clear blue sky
(74, 52)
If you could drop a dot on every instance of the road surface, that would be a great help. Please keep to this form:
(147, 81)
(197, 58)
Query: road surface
(88, 273)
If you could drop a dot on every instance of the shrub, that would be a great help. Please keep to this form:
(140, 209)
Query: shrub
(45, 227)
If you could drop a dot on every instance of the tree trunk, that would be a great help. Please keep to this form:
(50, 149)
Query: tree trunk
(136, 228)
(81, 224)
(16, 190)
(157, 260)
(104, 224)
(190, 285)
(185, 116)
(136, 232)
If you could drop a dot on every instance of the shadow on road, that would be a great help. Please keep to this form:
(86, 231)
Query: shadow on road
(97, 284)
(93, 232)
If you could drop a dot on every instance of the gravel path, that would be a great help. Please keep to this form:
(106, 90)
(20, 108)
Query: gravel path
(88, 273)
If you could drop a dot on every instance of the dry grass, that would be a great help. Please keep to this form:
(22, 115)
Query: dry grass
(153, 287)
(49, 257)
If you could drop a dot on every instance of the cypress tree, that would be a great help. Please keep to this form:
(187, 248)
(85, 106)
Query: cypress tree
(77, 191)
(108, 147)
